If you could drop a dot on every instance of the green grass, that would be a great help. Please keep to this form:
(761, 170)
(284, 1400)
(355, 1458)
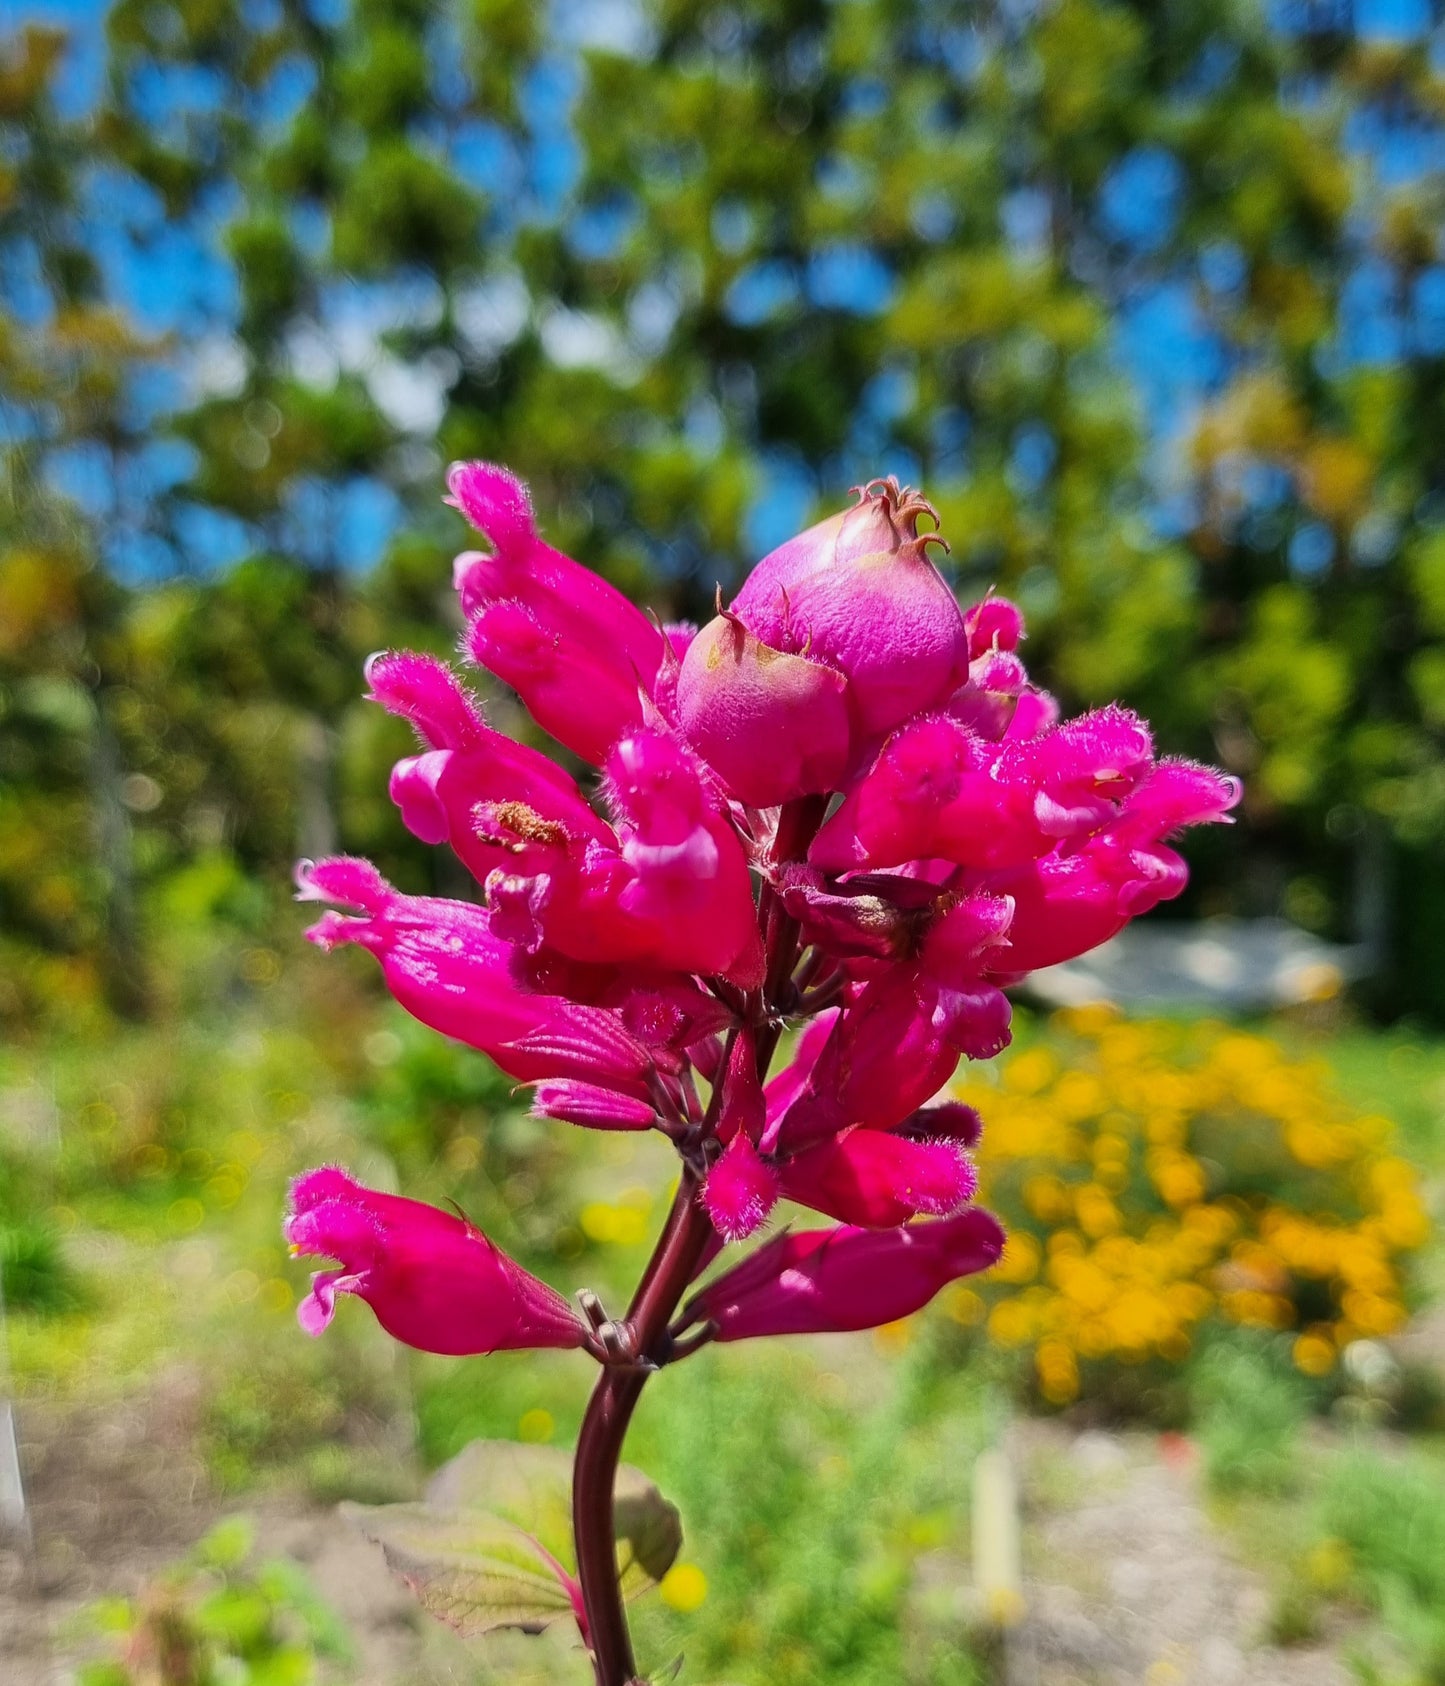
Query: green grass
(823, 1485)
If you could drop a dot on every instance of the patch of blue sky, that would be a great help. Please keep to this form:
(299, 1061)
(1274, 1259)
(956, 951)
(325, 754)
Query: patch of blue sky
(865, 96)
(1311, 549)
(546, 96)
(1171, 352)
(81, 473)
(22, 283)
(212, 539)
(1372, 328)
(171, 281)
(1392, 22)
(1310, 17)
(1026, 215)
(1428, 311)
(961, 48)
(889, 395)
(347, 526)
(82, 70)
(286, 91)
(152, 393)
(485, 156)
(733, 224)
(950, 429)
(1211, 70)
(1223, 267)
(599, 231)
(782, 504)
(1032, 454)
(136, 557)
(849, 277)
(166, 96)
(1398, 152)
(1139, 198)
(451, 84)
(760, 292)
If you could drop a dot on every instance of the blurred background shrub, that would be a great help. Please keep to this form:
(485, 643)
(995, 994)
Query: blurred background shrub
(1161, 1179)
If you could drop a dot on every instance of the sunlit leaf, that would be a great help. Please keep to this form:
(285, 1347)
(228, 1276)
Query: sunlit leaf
(490, 1546)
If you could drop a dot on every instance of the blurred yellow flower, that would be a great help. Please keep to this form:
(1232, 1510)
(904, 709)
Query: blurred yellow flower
(1154, 1176)
(683, 1588)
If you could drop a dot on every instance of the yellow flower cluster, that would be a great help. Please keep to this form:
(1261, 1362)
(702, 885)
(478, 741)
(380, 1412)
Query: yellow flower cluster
(1154, 1176)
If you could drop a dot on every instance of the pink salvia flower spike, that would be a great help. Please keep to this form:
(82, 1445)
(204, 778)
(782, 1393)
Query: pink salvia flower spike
(838, 817)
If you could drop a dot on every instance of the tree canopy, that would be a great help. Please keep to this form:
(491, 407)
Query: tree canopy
(1150, 298)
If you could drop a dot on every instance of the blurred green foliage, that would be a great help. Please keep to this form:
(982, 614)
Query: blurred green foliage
(218, 1619)
(693, 268)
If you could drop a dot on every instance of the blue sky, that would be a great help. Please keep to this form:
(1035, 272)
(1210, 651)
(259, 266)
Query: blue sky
(174, 280)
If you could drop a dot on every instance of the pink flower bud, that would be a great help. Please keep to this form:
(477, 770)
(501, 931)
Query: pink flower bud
(570, 602)
(773, 725)
(588, 1104)
(859, 592)
(740, 1191)
(994, 624)
(426, 692)
(578, 692)
(877, 1180)
(829, 1280)
(950, 1120)
(434, 1280)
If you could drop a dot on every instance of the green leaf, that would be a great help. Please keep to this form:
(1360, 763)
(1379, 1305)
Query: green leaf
(490, 1546)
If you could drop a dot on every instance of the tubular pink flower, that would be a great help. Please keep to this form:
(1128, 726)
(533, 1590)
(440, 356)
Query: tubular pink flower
(445, 965)
(877, 1180)
(893, 1047)
(858, 592)
(829, 1280)
(939, 790)
(773, 725)
(1072, 900)
(785, 1086)
(578, 692)
(690, 883)
(434, 1280)
(988, 700)
(423, 690)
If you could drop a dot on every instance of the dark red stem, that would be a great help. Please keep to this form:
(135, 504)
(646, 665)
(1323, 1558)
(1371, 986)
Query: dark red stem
(670, 1270)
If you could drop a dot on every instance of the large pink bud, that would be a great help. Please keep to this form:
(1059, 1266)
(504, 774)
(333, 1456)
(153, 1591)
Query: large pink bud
(773, 725)
(433, 1279)
(858, 592)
